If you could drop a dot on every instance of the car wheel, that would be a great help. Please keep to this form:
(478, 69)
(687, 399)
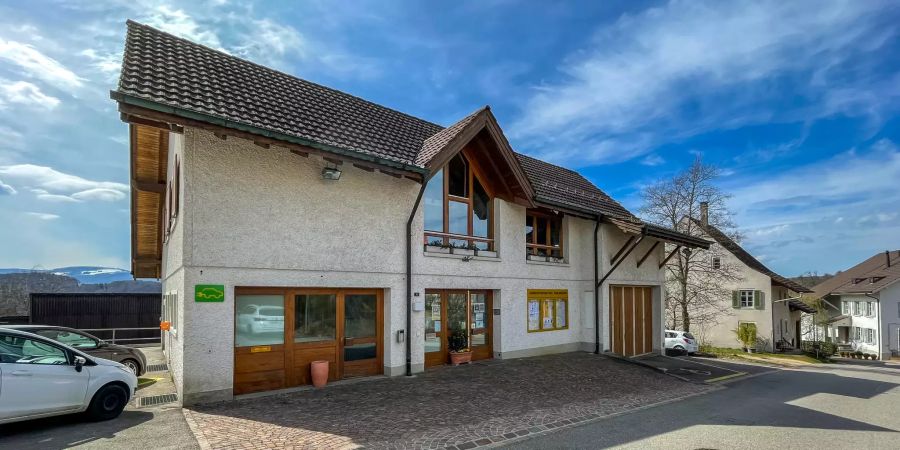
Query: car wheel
(108, 402)
(132, 365)
(680, 350)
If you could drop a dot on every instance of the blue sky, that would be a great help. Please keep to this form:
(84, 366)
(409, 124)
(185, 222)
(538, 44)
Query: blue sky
(796, 101)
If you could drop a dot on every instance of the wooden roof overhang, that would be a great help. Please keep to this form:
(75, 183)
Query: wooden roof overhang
(483, 141)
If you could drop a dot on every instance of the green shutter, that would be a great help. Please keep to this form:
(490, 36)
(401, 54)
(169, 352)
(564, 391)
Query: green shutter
(759, 299)
(736, 299)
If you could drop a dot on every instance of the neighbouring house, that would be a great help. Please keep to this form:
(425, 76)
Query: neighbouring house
(863, 307)
(755, 296)
(291, 223)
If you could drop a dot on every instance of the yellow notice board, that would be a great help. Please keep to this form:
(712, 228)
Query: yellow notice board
(548, 309)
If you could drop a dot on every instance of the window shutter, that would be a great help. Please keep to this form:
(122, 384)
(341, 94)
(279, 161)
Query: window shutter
(759, 299)
(736, 300)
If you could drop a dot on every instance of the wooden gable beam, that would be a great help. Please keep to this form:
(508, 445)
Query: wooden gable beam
(646, 255)
(622, 250)
(671, 254)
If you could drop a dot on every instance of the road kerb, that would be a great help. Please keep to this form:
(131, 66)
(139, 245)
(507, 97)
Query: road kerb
(725, 377)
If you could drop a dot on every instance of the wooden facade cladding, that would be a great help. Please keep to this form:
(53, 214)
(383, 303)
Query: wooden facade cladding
(149, 159)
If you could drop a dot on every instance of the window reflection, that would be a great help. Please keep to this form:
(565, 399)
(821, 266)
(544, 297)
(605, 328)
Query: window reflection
(315, 316)
(434, 203)
(258, 320)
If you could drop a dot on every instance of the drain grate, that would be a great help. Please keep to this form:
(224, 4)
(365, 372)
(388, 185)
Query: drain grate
(158, 399)
(157, 367)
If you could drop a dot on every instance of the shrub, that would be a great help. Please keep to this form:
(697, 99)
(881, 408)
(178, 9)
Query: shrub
(824, 348)
(458, 342)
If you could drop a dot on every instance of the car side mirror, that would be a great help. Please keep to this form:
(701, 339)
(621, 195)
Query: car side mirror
(79, 363)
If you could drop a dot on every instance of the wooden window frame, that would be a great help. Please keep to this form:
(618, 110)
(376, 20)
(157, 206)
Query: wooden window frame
(531, 217)
(741, 293)
(473, 172)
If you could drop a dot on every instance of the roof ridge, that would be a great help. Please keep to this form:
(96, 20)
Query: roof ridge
(131, 22)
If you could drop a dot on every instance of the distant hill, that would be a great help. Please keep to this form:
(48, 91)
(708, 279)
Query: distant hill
(84, 274)
(16, 287)
(811, 279)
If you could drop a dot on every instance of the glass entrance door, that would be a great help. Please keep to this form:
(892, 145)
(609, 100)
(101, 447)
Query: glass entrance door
(360, 356)
(460, 315)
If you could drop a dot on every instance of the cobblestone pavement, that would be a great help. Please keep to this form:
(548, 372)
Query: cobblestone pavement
(457, 407)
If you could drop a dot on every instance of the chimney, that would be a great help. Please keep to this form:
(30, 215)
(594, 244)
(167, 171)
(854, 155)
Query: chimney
(704, 213)
(887, 256)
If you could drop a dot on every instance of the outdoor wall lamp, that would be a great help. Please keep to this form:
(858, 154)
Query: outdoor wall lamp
(331, 173)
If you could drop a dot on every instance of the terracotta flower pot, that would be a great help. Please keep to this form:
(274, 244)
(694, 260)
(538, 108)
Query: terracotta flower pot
(319, 372)
(458, 358)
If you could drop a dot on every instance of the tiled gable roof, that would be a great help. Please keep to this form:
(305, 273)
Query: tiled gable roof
(748, 259)
(175, 73)
(871, 275)
(568, 188)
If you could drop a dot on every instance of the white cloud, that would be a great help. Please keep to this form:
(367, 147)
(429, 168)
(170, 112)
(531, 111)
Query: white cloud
(25, 93)
(179, 23)
(43, 216)
(52, 185)
(653, 160)
(6, 189)
(109, 64)
(48, 197)
(38, 65)
(688, 67)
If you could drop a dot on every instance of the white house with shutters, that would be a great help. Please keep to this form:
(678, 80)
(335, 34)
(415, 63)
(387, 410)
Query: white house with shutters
(758, 296)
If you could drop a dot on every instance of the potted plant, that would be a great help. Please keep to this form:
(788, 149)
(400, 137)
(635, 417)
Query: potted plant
(437, 246)
(858, 354)
(458, 344)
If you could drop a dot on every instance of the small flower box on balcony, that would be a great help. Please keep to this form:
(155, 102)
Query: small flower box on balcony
(487, 254)
(537, 258)
(463, 251)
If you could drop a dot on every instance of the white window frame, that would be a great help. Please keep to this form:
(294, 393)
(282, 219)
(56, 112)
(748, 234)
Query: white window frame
(741, 294)
(870, 309)
(847, 308)
(870, 336)
(857, 308)
(170, 311)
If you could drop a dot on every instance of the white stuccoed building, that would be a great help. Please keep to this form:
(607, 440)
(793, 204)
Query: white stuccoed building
(863, 307)
(291, 223)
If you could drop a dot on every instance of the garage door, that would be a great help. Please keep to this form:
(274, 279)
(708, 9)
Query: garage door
(631, 319)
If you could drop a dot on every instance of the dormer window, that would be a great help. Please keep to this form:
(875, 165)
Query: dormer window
(458, 208)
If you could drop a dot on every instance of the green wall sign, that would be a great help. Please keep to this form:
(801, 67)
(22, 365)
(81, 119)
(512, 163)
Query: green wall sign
(209, 293)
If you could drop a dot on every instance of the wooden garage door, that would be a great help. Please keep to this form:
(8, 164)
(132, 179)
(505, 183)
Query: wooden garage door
(631, 320)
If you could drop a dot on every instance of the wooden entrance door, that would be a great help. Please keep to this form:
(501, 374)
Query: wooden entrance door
(341, 326)
(448, 311)
(631, 320)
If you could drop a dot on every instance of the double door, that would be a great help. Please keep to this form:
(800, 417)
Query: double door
(631, 320)
(279, 332)
(454, 315)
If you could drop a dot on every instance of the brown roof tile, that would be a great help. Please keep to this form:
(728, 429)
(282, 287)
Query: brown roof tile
(871, 275)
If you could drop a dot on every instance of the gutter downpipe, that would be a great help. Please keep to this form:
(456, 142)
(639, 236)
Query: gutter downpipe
(409, 293)
(596, 288)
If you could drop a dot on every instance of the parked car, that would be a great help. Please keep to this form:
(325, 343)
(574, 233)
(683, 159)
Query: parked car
(261, 319)
(131, 358)
(681, 342)
(40, 377)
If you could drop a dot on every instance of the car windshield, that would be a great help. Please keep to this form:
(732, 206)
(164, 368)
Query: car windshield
(70, 338)
(22, 350)
(689, 335)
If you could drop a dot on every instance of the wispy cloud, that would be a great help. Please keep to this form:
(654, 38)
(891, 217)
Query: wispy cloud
(688, 67)
(42, 216)
(6, 189)
(25, 93)
(180, 23)
(38, 65)
(53, 185)
(652, 160)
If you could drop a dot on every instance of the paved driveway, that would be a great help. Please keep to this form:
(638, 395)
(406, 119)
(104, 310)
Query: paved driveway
(464, 407)
(819, 407)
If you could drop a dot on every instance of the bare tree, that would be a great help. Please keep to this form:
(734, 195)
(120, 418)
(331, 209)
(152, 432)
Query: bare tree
(696, 280)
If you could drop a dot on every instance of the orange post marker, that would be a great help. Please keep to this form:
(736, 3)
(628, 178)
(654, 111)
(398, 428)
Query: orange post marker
(165, 326)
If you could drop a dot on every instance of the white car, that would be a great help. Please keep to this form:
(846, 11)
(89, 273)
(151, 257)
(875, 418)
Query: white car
(681, 342)
(40, 377)
(257, 319)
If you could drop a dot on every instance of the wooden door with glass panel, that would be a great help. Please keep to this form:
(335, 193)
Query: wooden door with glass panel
(449, 312)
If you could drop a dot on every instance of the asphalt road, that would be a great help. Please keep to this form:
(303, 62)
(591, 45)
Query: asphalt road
(821, 407)
(154, 428)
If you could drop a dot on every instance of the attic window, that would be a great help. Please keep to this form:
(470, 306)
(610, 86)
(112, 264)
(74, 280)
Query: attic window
(875, 279)
(858, 280)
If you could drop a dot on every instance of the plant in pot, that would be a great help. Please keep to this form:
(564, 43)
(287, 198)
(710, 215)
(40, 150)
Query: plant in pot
(858, 354)
(458, 344)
